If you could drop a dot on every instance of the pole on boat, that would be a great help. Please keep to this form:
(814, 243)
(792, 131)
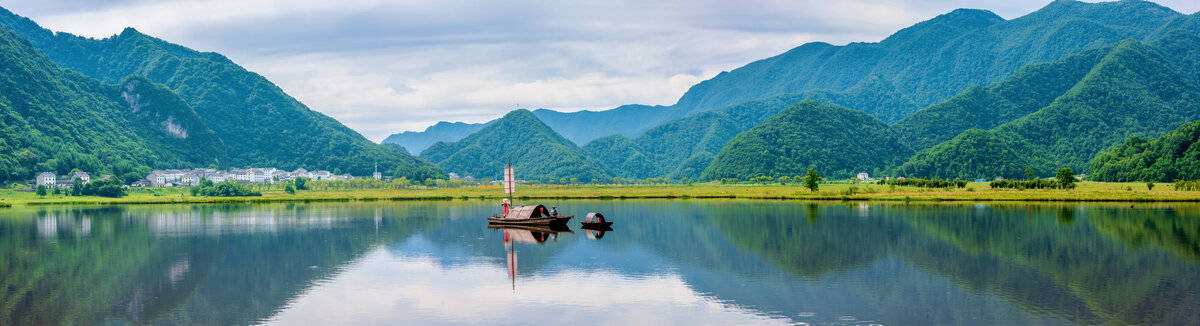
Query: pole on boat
(510, 183)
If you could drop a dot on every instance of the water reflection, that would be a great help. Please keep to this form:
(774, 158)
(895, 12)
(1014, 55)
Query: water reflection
(707, 262)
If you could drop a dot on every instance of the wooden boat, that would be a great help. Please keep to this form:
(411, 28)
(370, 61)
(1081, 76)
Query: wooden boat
(529, 215)
(533, 228)
(596, 220)
(524, 215)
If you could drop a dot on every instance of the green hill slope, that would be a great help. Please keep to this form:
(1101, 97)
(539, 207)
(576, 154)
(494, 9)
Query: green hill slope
(1172, 157)
(971, 155)
(537, 152)
(1134, 90)
(838, 141)
(619, 153)
(1030, 89)
(259, 124)
(53, 119)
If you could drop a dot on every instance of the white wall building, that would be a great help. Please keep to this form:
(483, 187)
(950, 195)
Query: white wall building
(47, 179)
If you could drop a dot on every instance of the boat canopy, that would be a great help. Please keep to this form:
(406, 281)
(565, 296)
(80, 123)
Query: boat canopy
(594, 217)
(525, 212)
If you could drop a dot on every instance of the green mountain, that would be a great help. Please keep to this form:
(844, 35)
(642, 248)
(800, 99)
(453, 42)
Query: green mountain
(838, 141)
(619, 153)
(258, 123)
(971, 155)
(1030, 89)
(54, 119)
(537, 152)
(1172, 157)
(678, 147)
(1134, 90)
(934, 60)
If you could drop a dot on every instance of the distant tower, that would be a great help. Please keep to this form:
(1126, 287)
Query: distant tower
(377, 175)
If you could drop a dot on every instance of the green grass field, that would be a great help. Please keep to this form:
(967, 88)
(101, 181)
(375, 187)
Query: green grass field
(1086, 191)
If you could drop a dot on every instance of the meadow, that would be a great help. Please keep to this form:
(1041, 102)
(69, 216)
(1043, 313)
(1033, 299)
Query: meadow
(976, 191)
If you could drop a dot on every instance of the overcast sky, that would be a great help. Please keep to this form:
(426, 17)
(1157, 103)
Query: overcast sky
(382, 67)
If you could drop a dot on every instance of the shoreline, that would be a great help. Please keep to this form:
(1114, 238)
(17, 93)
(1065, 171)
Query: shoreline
(1088, 192)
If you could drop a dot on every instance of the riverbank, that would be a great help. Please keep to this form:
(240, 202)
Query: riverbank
(980, 192)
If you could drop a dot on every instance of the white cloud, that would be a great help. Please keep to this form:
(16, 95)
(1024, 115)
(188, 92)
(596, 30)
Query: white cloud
(416, 290)
(385, 66)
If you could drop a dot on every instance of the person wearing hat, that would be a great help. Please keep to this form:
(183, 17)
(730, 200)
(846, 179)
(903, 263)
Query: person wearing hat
(554, 211)
(505, 204)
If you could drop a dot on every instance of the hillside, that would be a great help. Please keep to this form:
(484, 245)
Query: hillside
(1134, 90)
(1172, 157)
(619, 153)
(53, 119)
(971, 155)
(258, 123)
(537, 152)
(839, 142)
(934, 60)
(1030, 89)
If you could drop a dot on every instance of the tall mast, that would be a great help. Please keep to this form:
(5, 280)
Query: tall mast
(510, 181)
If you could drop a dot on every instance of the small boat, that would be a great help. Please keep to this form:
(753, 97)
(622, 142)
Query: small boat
(596, 220)
(524, 215)
(529, 215)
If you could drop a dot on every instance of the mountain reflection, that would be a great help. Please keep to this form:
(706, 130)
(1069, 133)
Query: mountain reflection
(672, 261)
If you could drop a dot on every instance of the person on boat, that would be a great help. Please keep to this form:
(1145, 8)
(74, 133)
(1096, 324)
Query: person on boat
(505, 204)
(554, 211)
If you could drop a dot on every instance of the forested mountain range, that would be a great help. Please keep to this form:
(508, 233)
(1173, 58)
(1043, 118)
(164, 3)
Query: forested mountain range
(536, 151)
(967, 95)
(54, 119)
(921, 65)
(258, 124)
(1136, 89)
(925, 79)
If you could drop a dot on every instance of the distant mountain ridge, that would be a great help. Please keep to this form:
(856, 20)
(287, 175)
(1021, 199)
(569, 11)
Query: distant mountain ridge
(580, 127)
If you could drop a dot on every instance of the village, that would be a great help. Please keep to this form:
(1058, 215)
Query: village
(192, 177)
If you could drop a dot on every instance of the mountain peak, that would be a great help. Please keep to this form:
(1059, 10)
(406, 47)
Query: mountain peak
(943, 27)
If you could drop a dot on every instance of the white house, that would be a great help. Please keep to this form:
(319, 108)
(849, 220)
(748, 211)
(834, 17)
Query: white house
(190, 179)
(47, 179)
(82, 176)
(864, 176)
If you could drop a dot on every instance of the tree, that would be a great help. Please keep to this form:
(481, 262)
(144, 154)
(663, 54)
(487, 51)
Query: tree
(289, 189)
(1066, 178)
(301, 183)
(41, 190)
(76, 187)
(1149, 186)
(785, 180)
(812, 180)
(1029, 175)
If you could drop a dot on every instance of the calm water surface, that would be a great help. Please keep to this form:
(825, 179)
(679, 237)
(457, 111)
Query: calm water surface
(665, 262)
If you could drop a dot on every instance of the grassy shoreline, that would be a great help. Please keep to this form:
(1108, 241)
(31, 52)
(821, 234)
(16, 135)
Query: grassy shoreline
(974, 192)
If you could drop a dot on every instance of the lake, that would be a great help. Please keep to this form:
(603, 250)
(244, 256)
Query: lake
(663, 262)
